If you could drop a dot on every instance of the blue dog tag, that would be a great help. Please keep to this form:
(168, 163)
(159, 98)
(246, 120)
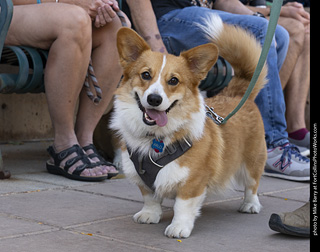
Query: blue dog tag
(157, 145)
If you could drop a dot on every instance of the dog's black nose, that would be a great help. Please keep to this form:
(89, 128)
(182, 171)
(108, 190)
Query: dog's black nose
(154, 99)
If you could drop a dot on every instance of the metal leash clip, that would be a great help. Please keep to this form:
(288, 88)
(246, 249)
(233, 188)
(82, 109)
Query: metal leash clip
(213, 115)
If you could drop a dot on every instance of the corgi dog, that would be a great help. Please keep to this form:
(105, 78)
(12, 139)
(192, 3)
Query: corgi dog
(169, 146)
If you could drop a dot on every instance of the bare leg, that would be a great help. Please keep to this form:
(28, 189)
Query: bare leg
(297, 89)
(62, 100)
(108, 72)
(68, 58)
(70, 49)
(295, 73)
(295, 29)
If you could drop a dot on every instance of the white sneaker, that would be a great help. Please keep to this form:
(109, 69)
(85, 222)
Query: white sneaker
(287, 162)
(303, 151)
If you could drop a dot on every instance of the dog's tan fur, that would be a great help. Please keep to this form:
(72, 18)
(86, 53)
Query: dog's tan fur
(220, 154)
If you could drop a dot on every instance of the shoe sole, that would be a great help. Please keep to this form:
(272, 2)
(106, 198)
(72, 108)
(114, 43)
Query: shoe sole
(276, 224)
(287, 177)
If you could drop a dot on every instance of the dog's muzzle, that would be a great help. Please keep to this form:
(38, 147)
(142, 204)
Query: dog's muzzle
(153, 117)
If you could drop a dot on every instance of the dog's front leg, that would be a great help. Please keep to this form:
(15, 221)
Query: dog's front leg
(151, 211)
(185, 213)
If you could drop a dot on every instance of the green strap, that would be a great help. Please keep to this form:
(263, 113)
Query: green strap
(275, 13)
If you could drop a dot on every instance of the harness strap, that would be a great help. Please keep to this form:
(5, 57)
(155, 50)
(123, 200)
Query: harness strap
(274, 16)
(148, 167)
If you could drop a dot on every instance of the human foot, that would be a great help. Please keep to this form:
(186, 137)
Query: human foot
(74, 163)
(300, 137)
(99, 161)
(295, 223)
(287, 162)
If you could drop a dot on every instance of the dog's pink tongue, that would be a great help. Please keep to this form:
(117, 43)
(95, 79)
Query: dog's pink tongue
(159, 116)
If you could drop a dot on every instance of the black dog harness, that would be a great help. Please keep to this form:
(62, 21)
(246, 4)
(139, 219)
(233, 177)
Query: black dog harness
(148, 167)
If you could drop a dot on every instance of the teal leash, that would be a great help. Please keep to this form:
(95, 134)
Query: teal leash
(274, 16)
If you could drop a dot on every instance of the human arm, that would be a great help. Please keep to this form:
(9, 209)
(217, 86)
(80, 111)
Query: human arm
(100, 11)
(265, 11)
(293, 10)
(232, 6)
(145, 22)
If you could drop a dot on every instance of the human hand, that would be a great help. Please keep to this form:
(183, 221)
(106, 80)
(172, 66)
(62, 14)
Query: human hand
(295, 10)
(100, 11)
(91, 6)
(106, 12)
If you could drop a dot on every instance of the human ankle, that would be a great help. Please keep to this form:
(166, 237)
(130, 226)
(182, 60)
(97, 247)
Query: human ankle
(298, 134)
(65, 144)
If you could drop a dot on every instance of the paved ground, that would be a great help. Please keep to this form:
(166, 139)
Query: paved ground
(44, 212)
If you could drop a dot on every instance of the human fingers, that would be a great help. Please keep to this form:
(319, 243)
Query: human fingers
(305, 21)
(302, 19)
(108, 13)
(298, 5)
(113, 3)
(294, 4)
(97, 21)
(305, 14)
(101, 15)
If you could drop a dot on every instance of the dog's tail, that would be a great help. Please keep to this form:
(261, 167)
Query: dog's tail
(241, 50)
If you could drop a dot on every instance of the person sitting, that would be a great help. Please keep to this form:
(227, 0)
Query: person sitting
(295, 72)
(73, 31)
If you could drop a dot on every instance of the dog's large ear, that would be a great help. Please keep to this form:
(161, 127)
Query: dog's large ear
(130, 46)
(201, 59)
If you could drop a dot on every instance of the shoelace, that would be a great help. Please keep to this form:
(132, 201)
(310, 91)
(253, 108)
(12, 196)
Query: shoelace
(291, 149)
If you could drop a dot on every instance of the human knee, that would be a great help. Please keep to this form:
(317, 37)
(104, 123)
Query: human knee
(258, 27)
(78, 26)
(282, 37)
(106, 34)
(297, 33)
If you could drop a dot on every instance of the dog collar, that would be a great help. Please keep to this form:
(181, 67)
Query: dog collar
(148, 167)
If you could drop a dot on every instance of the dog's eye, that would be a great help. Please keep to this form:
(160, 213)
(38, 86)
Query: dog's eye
(146, 76)
(173, 81)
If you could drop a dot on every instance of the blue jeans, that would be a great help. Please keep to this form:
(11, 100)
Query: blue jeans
(179, 33)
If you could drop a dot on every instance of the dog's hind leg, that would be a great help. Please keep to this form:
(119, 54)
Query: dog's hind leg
(151, 211)
(251, 202)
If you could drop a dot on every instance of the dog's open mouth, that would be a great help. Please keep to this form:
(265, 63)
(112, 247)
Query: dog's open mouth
(152, 116)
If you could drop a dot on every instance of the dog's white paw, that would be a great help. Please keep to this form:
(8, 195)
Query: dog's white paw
(250, 207)
(178, 230)
(147, 217)
(250, 203)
